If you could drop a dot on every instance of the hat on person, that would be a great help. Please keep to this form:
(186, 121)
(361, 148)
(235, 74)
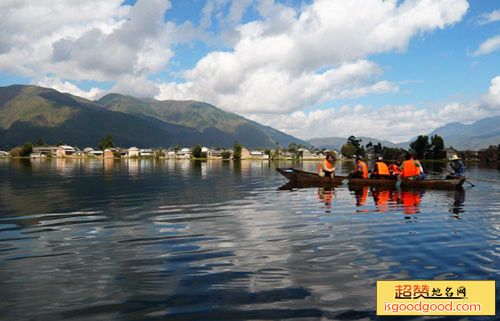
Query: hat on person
(455, 157)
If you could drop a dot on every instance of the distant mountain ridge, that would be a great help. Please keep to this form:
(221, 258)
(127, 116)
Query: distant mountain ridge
(478, 135)
(337, 142)
(28, 113)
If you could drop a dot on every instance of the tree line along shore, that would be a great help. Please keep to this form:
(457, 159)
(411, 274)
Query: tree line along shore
(422, 148)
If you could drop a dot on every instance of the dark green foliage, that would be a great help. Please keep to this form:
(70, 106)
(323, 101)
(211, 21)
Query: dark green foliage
(7, 148)
(106, 142)
(226, 154)
(26, 150)
(348, 150)
(421, 147)
(116, 154)
(437, 146)
(360, 151)
(237, 151)
(40, 143)
(196, 151)
(59, 143)
(377, 149)
(389, 153)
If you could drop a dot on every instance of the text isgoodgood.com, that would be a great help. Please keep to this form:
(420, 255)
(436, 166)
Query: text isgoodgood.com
(425, 307)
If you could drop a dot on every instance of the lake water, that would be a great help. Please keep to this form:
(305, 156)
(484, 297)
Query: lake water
(186, 240)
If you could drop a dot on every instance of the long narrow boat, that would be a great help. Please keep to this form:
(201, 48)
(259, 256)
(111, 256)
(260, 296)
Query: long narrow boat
(304, 178)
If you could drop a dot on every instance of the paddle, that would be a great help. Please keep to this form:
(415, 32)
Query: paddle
(454, 175)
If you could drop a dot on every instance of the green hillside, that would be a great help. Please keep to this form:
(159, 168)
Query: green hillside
(29, 113)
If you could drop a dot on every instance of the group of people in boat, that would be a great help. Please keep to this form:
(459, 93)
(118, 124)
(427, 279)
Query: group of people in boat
(410, 168)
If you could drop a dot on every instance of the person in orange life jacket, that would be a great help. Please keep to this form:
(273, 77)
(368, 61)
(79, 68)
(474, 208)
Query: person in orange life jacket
(394, 169)
(380, 169)
(325, 168)
(360, 170)
(410, 169)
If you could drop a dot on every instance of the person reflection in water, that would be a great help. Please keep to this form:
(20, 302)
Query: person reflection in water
(381, 199)
(458, 204)
(409, 199)
(325, 195)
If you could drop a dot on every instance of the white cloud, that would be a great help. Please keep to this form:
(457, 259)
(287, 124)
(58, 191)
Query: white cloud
(492, 98)
(96, 40)
(393, 123)
(68, 87)
(299, 58)
(488, 46)
(488, 17)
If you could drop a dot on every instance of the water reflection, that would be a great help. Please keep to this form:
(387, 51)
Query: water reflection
(219, 240)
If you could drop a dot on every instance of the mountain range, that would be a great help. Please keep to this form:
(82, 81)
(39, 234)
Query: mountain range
(337, 142)
(29, 113)
(478, 135)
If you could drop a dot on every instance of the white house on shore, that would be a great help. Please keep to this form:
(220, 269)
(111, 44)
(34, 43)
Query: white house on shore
(65, 150)
(133, 152)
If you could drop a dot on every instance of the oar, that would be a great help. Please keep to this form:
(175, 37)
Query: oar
(454, 174)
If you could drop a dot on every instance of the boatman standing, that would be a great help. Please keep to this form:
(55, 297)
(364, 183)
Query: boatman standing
(326, 168)
(458, 166)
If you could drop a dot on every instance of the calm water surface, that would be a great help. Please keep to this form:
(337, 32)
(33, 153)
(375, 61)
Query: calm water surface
(185, 240)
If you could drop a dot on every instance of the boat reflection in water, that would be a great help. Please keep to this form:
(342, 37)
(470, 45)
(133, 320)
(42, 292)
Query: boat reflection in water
(407, 201)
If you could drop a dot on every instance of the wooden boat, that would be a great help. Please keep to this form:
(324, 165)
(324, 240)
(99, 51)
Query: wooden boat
(308, 179)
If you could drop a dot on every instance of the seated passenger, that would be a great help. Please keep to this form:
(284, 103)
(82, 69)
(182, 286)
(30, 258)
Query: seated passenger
(380, 169)
(326, 168)
(394, 169)
(360, 170)
(410, 168)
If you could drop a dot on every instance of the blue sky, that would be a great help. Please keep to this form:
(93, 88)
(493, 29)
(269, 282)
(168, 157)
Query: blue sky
(386, 69)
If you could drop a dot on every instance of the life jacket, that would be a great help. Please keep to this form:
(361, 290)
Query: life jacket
(328, 165)
(393, 169)
(409, 168)
(364, 168)
(381, 168)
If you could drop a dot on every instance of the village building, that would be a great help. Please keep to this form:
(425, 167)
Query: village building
(245, 153)
(146, 152)
(108, 153)
(304, 153)
(4, 154)
(184, 153)
(170, 154)
(133, 152)
(207, 151)
(45, 150)
(65, 150)
(96, 153)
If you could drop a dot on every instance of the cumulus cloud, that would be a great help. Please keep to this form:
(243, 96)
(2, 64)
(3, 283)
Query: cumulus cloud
(488, 46)
(393, 123)
(492, 98)
(298, 58)
(97, 40)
